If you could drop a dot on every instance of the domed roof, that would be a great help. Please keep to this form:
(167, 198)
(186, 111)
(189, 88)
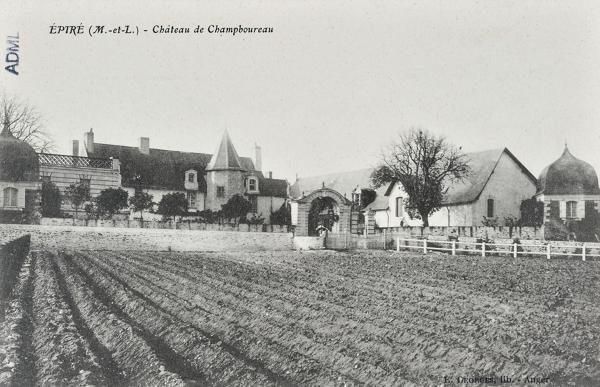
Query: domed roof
(18, 160)
(568, 175)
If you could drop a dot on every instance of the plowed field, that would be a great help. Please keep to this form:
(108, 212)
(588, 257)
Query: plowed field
(286, 318)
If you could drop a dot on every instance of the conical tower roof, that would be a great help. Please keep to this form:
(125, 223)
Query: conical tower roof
(225, 157)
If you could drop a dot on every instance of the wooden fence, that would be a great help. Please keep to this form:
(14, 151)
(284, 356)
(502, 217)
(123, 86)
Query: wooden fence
(548, 250)
(345, 241)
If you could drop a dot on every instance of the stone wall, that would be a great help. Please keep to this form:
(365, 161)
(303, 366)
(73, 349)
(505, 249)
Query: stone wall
(109, 238)
(152, 224)
(500, 232)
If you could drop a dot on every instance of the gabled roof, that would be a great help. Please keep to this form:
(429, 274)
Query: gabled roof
(343, 182)
(381, 201)
(482, 166)
(165, 169)
(225, 158)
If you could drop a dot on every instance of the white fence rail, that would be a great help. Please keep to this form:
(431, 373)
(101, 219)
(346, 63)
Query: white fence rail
(483, 248)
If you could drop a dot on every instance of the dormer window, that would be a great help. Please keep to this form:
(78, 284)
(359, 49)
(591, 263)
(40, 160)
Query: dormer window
(252, 184)
(191, 180)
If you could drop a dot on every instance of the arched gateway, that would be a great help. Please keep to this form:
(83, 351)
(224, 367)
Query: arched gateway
(321, 208)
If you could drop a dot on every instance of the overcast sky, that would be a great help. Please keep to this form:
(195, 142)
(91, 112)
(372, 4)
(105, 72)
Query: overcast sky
(328, 88)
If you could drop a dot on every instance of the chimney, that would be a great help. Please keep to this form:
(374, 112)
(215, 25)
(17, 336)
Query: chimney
(145, 145)
(89, 141)
(270, 174)
(257, 157)
(75, 147)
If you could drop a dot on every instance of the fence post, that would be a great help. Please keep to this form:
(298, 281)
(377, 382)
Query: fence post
(424, 246)
(483, 249)
(346, 241)
(548, 251)
(515, 250)
(397, 243)
(583, 252)
(453, 247)
(384, 238)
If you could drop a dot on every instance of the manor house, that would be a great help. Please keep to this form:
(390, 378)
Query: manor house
(207, 180)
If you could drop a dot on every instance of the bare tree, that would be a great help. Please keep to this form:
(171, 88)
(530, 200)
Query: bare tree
(25, 123)
(424, 164)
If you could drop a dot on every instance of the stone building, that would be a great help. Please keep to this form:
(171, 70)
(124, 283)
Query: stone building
(494, 189)
(497, 185)
(568, 188)
(208, 181)
(19, 179)
(64, 170)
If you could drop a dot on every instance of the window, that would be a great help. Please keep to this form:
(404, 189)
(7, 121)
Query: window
(252, 186)
(220, 192)
(356, 198)
(490, 208)
(10, 197)
(571, 210)
(254, 203)
(399, 207)
(191, 177)
(191, 197)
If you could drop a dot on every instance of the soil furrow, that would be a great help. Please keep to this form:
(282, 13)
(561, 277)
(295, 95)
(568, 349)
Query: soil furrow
(112, 374)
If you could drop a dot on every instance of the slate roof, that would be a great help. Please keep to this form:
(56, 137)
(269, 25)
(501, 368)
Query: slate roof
(226, 157)
(165, 169)
(482, 166)
(568, 175)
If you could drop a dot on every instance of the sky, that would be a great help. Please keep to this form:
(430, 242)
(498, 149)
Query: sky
(328, 89)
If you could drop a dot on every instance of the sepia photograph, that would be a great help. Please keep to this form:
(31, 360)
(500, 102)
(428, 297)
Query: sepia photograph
(299, 193)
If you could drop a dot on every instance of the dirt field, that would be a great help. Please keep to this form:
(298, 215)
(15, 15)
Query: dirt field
(286, 318)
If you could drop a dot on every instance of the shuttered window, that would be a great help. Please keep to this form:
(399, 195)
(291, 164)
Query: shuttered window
(10, 197)
(571, 210)
(490, 208)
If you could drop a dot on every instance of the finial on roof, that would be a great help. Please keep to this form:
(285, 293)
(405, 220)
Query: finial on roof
(6, 127)
(566, 151)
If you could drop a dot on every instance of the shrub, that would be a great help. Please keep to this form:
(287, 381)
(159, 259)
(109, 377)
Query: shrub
(77, 194)
(51, 200)
(255, 219)
(236, 208)
(140, 202)
(282, 216)
(209, 216)
(173, 204)
(532, 213)
(555, 230)
(110, 201)
(490, 222)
